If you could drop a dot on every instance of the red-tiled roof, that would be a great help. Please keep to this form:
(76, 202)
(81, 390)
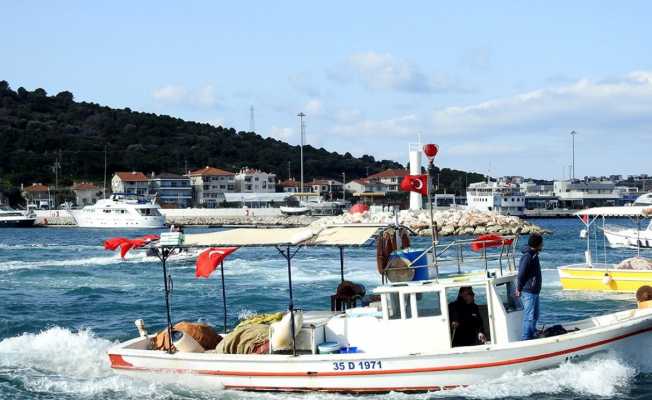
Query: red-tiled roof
(290, 183)
(325, 182)
(210, 171)
(84, 186)
(37, 187)
(131, 176)
(390, 173)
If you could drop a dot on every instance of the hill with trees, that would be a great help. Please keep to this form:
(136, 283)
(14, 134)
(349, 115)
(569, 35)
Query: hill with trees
(38, 131)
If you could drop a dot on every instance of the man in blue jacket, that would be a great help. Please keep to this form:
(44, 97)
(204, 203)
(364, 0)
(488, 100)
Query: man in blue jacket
(529, 285)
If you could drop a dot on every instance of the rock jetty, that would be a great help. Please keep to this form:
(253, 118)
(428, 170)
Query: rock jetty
(449, 222)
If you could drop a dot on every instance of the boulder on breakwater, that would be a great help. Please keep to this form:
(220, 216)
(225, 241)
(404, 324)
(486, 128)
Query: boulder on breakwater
(449, 222)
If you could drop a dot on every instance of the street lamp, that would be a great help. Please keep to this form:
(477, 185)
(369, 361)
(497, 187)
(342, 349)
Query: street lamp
(573, 133)
(301, 115)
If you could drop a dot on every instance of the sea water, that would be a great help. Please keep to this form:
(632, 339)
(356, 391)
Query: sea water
(64, 300)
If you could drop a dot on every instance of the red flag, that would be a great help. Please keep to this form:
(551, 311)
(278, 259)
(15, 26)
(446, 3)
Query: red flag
(415, 183)
(210, 258)
(585, 218)
(113, 243)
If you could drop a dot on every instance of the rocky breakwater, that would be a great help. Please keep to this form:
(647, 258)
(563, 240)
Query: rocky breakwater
(449, 222)
(223, 220)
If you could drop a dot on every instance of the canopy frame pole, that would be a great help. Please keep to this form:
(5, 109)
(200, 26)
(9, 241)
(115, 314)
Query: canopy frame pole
(341, 264)
(163, 255)
(223, 296)
(433, 224)
(638, 236)
(288, 255)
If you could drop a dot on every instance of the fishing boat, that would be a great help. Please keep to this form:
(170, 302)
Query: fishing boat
(626, 276)
(300, 210)
(400, 340)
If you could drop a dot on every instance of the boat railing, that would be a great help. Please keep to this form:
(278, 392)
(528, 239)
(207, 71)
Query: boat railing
(491, 251)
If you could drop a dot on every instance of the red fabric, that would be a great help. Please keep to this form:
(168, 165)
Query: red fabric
(431, 150)
(415, 183)
(209, 259)
(359, 208)
(113, 243)
(488, 241)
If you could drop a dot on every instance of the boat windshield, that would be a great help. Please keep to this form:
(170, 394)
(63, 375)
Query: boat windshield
(148, 212)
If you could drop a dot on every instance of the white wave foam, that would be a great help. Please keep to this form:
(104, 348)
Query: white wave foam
(60, 361)
(603, 375)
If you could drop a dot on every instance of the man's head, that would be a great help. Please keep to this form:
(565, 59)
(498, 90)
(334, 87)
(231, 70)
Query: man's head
(466, 294)
(535, 242)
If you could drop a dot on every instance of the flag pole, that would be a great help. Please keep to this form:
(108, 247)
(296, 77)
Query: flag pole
(431, 151)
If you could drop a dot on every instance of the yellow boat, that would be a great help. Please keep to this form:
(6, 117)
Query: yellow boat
(605, 277)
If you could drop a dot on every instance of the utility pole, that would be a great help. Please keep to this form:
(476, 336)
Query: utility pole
(289, 170)
(104, 187)
(57, 166)
(343, 186)
(301, 130)
(573, 133)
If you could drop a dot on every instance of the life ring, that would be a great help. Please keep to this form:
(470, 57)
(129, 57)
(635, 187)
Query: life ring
(488, 241)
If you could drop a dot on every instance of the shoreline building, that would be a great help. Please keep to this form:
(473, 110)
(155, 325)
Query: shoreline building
(290, 186)
(209, 185)
(539, 195)
(576, 194)
(501, 197)
(39, 195)
(391, 178)
(327, 188)
(171, 190)
(130, 183)
(249, 180)
(86, 193)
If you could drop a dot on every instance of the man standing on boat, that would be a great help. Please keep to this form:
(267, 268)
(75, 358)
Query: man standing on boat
(529, 285)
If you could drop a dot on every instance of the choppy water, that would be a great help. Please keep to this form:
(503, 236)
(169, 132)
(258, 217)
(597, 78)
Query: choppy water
(64, 301)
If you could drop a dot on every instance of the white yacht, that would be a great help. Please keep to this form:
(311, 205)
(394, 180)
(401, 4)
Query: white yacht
(644, 200)
(120, 211)
(10, 218)
(500, 197)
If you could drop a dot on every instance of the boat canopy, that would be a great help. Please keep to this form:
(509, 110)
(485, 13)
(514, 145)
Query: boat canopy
(339, 236)
(629, 211)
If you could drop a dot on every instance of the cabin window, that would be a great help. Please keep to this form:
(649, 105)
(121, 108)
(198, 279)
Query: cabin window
(394, 305)
(506, 294)
(428, 304)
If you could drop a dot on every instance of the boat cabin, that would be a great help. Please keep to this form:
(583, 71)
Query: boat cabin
(415, 317)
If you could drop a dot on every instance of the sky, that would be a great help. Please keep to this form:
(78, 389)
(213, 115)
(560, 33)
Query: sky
(498, 86)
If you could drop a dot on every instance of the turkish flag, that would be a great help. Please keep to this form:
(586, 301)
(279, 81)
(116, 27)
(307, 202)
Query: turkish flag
(210, 258)
(415, 183)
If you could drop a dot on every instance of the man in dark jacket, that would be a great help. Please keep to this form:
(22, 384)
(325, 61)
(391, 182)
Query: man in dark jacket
(466, 322)
(529, 285)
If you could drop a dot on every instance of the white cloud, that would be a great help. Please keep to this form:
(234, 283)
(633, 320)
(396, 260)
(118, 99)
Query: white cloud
(384, 71)
(284, 134)
(313, 107)
(170, 94)
(403, 126)
(620, 103)
(201, 97)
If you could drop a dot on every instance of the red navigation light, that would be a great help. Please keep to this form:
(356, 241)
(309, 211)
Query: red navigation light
(430, 150)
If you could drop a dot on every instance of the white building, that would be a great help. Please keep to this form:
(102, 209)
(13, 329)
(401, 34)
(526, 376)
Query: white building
(391, 178)
(130, 183)
(290, 186)
(328, 188)
(209, 185)
(365, 186)
(171, 190)
(255, 181)
(582, 194)
(499, 197)
(86, 193)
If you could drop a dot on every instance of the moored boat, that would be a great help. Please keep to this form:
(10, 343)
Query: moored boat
(627, 276)
(401, 340)
(10, 218)
(120, 211)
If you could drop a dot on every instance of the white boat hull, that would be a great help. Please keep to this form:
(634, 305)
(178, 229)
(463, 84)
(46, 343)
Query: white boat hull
(362, 372)
(628, 237)
(97, 220)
